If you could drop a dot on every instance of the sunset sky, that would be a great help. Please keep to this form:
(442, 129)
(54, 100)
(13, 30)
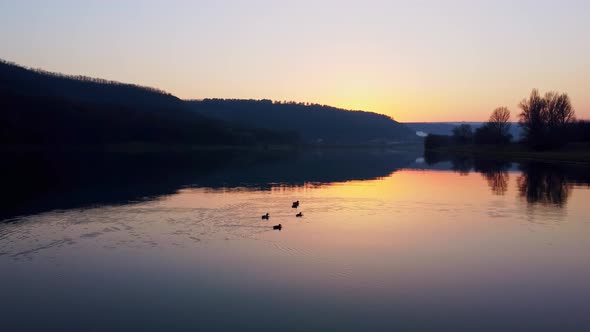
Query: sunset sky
(413, 60)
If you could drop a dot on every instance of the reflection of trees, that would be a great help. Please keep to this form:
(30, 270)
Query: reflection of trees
(544, 184)
(540, 182)
(459, 163)
(498, 182)
(494, 171)
(496, 174)
(434, 157)
(462, 164)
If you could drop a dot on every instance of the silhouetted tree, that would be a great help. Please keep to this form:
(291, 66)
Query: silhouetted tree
(545, 120)
(436, 141)
(463, 134)
(559, 109)
(559, 114)
(500, 121)
(578, 131)
(496, 130)
(531, 118)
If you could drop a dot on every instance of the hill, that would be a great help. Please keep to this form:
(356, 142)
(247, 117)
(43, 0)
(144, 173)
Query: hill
(314, 123)
(40, 107)
(35, 82)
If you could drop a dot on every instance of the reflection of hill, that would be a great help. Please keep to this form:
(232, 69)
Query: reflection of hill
(40, 182)
(319, 167)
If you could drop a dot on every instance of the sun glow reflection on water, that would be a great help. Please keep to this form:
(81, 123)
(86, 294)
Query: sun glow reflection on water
(418, 248)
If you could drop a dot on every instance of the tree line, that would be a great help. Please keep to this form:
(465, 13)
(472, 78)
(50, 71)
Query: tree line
(40, 107)
(256, 101)
(80, 78)
(316, 124)
(547, 121)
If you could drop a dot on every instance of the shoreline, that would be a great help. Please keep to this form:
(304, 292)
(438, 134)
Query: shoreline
(571, 153)
(138, 147)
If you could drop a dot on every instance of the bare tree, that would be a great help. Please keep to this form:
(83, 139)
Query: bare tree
(544, 120)
(496, 130)
(558, 110)
(531, 118)
(463, 134)
(500, 121)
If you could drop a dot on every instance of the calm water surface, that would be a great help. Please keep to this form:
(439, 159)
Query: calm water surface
(411, 246)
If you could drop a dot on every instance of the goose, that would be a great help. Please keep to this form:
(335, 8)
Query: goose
(279, 227)
(298, 215)
(266, 216)
(295, 204)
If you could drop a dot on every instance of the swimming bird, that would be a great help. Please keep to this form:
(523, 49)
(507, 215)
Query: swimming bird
(279, 227)
(295, 204)
(266, 216)
(298, 215)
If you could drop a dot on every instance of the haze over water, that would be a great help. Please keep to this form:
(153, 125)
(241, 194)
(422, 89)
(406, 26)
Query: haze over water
(391, 242)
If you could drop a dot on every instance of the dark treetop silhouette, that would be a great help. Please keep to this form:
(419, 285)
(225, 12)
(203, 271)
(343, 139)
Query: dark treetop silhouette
(546, 123)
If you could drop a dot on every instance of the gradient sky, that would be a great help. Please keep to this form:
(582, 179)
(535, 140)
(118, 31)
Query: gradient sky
(412, 60)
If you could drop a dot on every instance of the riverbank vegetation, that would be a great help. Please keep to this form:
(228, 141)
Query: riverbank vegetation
(549, 126)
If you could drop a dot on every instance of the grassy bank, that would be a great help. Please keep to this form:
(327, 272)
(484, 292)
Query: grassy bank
(577, 152)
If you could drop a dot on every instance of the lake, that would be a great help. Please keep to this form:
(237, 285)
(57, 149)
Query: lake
(388, 240)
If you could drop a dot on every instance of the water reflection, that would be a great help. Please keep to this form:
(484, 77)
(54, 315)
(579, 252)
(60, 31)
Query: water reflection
(538, 182)
(462, 164)
(416, 249)
(38, 182)
(54, 180)
(544, 184)
(496, 174)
